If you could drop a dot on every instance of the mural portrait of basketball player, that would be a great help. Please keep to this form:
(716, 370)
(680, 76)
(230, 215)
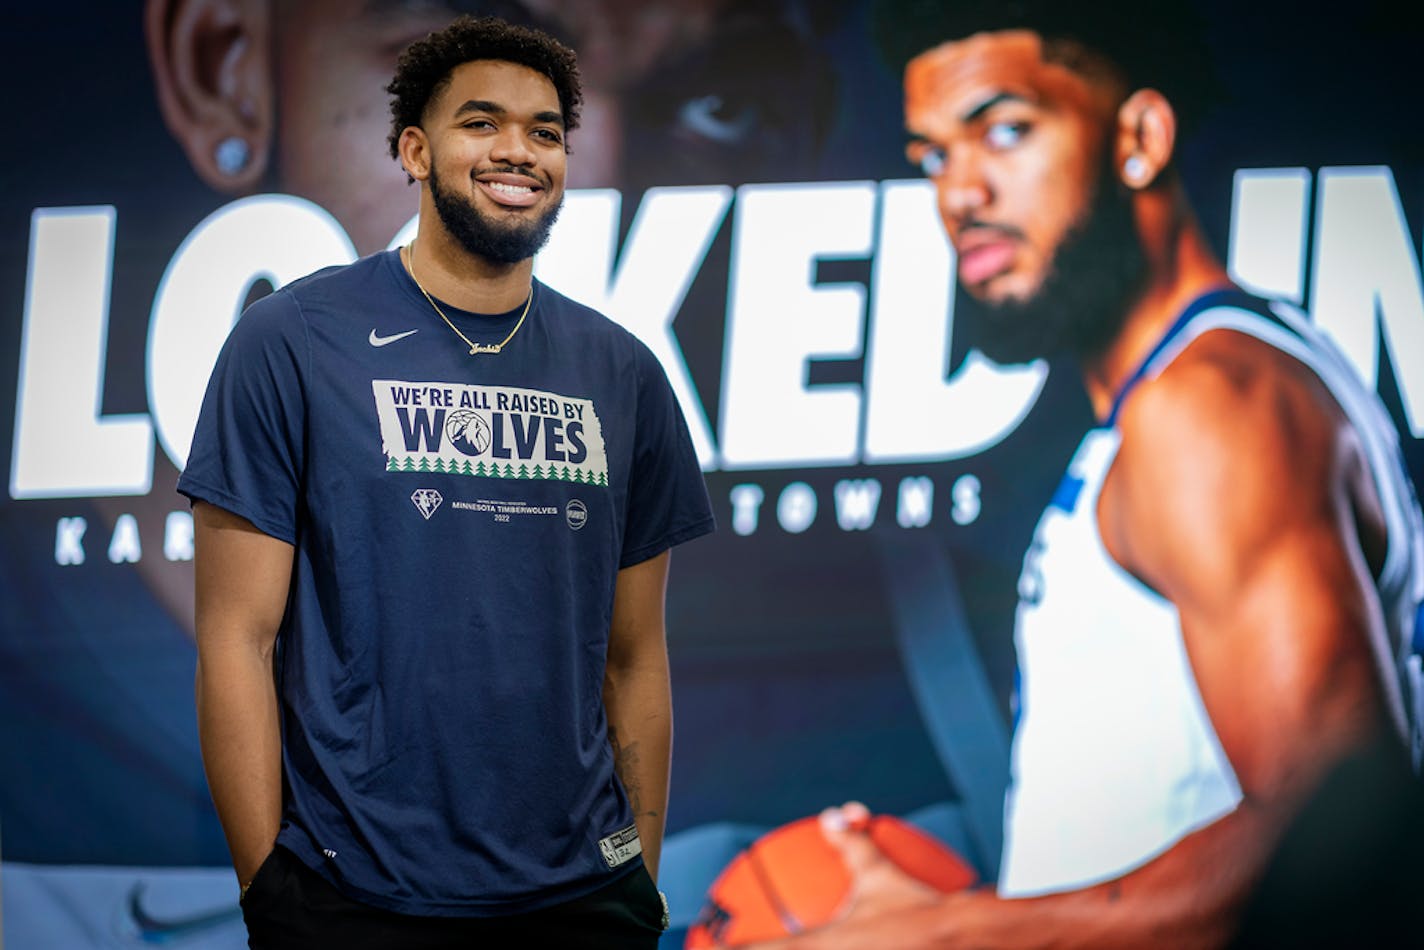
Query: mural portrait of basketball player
(738, 196)
(1218, 607)
(260, 94)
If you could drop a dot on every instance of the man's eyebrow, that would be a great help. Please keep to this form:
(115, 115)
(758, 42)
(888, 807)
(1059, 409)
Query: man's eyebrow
(479, 105)
(994, 100)
(494, 108)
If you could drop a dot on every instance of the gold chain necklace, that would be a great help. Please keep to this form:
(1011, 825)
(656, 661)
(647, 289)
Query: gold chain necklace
(475, 348)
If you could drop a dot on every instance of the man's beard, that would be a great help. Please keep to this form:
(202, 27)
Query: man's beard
(1093, 279)
(485, 237)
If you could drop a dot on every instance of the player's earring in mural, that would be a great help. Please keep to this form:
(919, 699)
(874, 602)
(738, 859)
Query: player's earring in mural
(1134, 169)
(232, 155)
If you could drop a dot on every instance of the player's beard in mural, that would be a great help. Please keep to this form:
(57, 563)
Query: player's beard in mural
(1097, 272)
(484, 236)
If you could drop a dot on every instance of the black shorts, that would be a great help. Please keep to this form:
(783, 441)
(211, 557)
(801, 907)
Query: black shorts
(288, 905)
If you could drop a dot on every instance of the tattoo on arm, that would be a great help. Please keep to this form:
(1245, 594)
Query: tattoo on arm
(625, 764)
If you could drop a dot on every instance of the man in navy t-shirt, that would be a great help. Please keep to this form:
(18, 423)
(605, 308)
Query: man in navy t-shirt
(434, 501)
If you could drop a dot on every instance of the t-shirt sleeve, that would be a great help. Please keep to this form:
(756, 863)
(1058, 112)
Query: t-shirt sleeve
(667, 498)
(247, 451)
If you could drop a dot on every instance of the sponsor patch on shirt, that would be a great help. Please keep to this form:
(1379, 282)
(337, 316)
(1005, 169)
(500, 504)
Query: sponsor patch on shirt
(621, 846)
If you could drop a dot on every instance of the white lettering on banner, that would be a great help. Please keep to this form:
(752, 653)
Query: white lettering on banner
(124, 546)
(857, 504)
(63, 446)
(857, 501)
(907, 359)
(275, 238)
(1268, 220)
(916, 502)
(666, 244)
(965, 502)
(178, 536)
(1365, 272)
(746, 508)
(778, 318)
(1365, 290)
(69, 541)
(1360, 287)
(796, 508)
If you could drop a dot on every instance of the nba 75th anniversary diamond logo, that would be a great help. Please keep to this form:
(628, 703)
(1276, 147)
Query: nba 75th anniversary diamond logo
(426, 501)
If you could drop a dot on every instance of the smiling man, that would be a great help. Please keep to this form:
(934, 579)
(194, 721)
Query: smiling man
(434, 501)
(1219, 606)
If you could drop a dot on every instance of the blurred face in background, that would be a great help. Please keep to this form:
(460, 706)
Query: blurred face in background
(676, 92)
(1013, 145)
(1017, 148)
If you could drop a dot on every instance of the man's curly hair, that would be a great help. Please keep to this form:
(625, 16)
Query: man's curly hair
(423, 70)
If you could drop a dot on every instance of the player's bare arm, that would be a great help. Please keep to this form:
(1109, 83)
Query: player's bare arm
(638, 700)
(242, 580)
(1239, 493)
(1267, 550)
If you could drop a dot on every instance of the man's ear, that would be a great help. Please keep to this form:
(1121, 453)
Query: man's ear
(1146, 138)
(212, 71)
(414, 150)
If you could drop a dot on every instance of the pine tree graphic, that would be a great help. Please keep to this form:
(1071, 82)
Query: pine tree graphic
(603, 479)
(409, 465)
(564, 473)
(538, 471)
(391, 464)
(508, 470)
(439, 466)
(523, 470)
(480, 469)
(469, 470)
(424, 464)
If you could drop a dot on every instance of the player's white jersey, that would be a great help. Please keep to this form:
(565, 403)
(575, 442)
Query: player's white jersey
(1114, 757)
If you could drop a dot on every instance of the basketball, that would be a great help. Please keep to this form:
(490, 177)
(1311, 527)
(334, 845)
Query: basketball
(792, 880)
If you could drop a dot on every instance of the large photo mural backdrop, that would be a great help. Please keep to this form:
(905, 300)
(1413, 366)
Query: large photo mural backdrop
(742, 202)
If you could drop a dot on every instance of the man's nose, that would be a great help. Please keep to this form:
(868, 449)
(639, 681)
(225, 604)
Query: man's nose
(510, 147)
(962, 189)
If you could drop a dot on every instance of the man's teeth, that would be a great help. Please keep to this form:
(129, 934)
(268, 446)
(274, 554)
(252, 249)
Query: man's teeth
(510, 189)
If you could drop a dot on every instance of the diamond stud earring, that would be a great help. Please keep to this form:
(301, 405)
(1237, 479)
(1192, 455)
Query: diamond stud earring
(231, 155)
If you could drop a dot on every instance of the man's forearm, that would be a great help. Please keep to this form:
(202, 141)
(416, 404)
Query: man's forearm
(1189, 897)
(242, 748)
(639, 707)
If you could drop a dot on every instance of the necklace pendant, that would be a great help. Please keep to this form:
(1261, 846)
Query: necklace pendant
(478, 348)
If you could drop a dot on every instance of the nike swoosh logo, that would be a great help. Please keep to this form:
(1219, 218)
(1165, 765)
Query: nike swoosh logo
(375, 340)
(161, 930)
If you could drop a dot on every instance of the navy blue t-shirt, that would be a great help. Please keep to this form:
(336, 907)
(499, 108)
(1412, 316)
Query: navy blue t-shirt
(459, 523)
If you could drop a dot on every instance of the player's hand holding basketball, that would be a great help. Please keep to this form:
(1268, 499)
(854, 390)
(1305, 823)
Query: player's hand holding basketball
(879, 885)
(844, 879)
